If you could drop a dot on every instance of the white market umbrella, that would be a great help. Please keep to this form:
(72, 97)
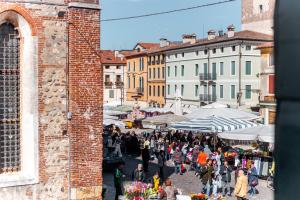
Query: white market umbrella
(262, 133)
(215, 105)
(163, 119)
(221, 112)
(267, 134)
(212, 124)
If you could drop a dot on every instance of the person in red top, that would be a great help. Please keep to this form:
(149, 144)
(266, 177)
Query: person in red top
(202, 157)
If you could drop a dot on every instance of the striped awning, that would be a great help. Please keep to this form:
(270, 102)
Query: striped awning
(213, 124)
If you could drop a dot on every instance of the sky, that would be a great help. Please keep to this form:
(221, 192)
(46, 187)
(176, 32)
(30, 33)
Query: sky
(126, 33)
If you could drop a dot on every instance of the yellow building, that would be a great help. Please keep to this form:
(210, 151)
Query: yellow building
(267, 81)
(156, 79)
(137, 78)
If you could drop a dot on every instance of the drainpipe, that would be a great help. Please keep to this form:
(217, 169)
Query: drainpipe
(240, 94)
(208, 71)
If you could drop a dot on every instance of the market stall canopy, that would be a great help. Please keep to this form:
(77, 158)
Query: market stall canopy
(221, 112)
(118, 123)
(123, 108)
(112, 104)
(170, 108)
(164, 119)
(262, 133)
(267, 134)
(212, 124)
(105, 116)
(215, 105)
(154, 109)
(113, 112)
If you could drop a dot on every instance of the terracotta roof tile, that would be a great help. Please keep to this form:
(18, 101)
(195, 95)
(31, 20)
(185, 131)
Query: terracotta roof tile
(108, 57)
(148, 45)
(242, 35)
(266, 45)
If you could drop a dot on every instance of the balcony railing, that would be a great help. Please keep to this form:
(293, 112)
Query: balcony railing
(108, 83)
(268, 100)
(208, 76)
(208, 97)
(140, 90)
(119, 84)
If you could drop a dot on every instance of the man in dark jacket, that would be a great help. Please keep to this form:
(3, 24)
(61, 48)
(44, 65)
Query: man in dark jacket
(161, 164)
(146, 158)
(225, 172)
(207, 174)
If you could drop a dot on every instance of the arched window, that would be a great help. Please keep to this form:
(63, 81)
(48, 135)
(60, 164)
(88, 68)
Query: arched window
(9, 98)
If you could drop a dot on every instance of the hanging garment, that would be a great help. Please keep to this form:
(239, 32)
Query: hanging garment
(249, 164)
(236, 161)
(265, 168)
(244, 163)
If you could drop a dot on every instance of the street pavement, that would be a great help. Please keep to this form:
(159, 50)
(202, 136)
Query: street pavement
(187, 183)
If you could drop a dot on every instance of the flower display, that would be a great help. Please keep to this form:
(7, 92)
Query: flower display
(138, 191)
(199, 196)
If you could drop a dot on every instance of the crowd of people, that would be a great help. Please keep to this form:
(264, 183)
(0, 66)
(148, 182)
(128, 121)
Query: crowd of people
(202, 154)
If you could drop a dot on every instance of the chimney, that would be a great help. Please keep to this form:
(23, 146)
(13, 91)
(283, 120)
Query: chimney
(230, 31)
(117, 54)
(164, 42)
(189, 38)
(221, 33)
(211, 34)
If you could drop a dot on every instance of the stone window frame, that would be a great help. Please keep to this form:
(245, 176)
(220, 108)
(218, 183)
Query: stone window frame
(29, 127)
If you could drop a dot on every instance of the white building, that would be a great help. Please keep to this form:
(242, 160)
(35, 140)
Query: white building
(218, 68)
(114, 68)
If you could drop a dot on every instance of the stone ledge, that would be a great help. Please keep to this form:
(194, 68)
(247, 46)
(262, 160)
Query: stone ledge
(84, 5)
(86, 192)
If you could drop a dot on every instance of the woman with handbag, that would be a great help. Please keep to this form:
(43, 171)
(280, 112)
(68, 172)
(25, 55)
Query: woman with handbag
(253, 179)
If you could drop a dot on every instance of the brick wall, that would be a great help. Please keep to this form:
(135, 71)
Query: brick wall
(86, 91)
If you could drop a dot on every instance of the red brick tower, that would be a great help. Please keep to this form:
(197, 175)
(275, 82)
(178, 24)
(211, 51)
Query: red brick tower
(85, 92)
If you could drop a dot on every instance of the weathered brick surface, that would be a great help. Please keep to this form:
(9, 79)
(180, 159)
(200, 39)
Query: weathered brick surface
(85, 87)
(86, 101)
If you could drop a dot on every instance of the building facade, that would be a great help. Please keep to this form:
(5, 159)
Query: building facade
(257, 15)
(267, 79)
(223, 68)
(51, 96)
(156, 79)
(114, 67)
(137, 79)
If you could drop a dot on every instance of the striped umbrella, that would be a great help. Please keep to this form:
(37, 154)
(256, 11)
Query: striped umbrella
(212, 124)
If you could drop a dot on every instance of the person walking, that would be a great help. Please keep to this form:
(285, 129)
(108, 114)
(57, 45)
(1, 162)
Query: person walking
(253, 179)
(117, 145)
(241, 187)
(161, 164)
(207, 173)
(118, 180)
(225, 172)
(146, 157)
(177, 158)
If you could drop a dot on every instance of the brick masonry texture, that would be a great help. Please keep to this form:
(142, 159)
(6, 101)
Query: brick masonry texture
(85, 90)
